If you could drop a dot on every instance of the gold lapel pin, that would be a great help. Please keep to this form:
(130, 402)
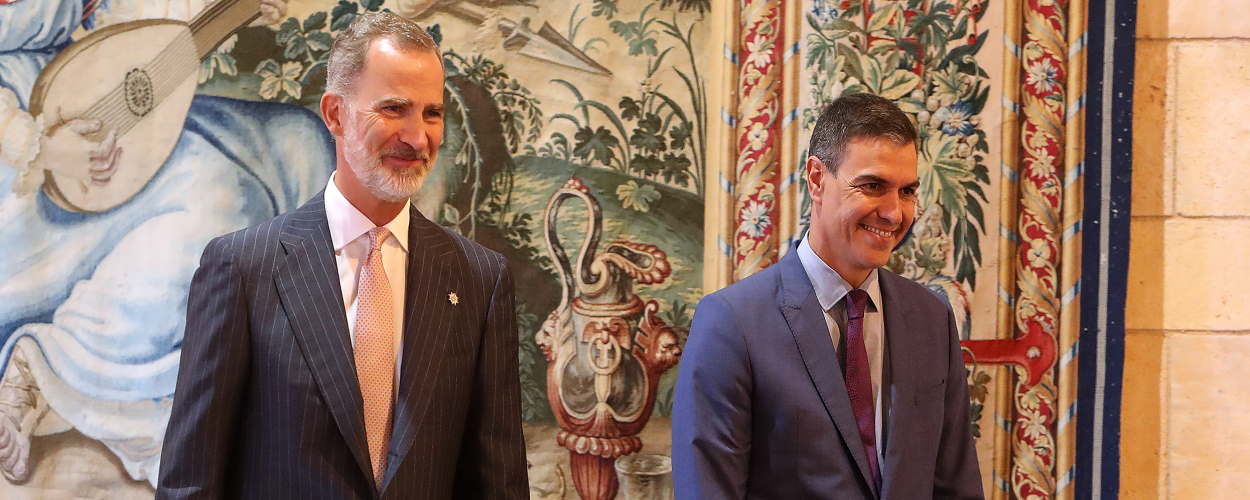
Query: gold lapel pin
(453, 298)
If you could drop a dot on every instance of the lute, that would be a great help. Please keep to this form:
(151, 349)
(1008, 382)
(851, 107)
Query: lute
(138, 79)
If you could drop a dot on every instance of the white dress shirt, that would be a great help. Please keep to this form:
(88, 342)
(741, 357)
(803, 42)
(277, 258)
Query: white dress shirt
(830, 289)
(349, 234)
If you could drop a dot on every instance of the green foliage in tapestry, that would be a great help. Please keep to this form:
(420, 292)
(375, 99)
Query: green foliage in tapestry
(283, 63)
(921, 55)
(648, 135)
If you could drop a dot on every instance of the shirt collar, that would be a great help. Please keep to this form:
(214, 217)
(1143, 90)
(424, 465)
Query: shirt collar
(829, 285)
(347, 223)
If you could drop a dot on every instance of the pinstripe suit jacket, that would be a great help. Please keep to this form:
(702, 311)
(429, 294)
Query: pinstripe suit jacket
(267, 403)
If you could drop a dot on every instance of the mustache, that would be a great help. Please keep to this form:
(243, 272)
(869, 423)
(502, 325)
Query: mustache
(406, 153)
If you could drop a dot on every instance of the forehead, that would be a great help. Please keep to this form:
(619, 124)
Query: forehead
(880, 157)
(393, 71)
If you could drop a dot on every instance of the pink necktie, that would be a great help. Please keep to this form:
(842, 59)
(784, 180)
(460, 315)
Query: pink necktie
(375, 351)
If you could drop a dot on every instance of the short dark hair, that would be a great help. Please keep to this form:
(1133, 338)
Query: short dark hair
(857, 116)
(347, 55)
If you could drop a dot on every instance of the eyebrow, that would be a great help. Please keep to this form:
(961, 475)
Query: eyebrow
(863, 178)
(392, 101)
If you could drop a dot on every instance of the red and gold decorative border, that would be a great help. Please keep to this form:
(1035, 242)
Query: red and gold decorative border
(755, 243)
(1037, 257)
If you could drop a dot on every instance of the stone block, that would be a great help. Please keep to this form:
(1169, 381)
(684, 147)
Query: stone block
(1206, 274)
(1192, 19)
(1212, 140)
(1208, 447)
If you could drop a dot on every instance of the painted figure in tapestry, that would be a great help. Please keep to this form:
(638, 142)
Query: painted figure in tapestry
(90, 336)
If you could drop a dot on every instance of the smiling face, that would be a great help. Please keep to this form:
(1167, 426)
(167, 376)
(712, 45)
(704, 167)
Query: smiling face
(388, 128)
(861, 212)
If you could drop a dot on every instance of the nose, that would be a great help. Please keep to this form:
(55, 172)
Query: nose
(416, 134)
(892, 208)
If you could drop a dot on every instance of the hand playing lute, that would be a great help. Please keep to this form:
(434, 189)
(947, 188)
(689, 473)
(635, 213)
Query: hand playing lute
(125, 87)
(68, 150)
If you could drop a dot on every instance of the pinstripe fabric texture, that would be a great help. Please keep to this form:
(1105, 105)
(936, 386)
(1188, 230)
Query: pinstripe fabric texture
(268, 405)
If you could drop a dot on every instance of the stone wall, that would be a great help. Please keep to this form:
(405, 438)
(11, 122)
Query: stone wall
(1187, 371)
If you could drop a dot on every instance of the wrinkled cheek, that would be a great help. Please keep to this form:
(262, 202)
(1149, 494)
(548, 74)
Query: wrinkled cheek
(435, 142)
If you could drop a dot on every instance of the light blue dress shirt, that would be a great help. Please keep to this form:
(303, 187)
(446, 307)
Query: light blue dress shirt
(830, 289)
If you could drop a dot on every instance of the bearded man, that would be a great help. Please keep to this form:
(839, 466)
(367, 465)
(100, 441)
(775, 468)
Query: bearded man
(351, 348)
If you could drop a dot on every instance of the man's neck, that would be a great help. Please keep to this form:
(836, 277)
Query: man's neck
(853, 277)
(378, 211)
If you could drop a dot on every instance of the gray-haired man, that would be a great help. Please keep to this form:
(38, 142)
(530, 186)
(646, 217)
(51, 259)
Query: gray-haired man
(352, 348)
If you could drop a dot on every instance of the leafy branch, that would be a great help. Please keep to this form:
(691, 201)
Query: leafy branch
(520, 112)
(650, 135)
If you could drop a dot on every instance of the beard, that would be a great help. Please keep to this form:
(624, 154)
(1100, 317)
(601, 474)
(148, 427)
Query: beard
(387, 184)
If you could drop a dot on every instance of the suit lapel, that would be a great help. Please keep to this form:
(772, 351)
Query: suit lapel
(308, 286)
(431, 324)
(807, 324)
(903, 350)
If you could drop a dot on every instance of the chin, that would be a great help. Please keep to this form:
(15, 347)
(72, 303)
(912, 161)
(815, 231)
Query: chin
(396, 188)
(390, 197)
(876, 259)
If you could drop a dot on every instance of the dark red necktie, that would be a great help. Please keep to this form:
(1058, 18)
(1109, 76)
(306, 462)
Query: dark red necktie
(859, 378)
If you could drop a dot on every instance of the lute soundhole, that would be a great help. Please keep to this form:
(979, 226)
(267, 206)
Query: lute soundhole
(139, 92)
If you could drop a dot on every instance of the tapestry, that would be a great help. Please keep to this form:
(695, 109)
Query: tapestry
(626, 158)
(575, 144)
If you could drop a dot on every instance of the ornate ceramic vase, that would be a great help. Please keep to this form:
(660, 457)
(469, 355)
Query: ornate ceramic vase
(605, 346)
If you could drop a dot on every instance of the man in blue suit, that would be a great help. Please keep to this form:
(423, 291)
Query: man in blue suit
(825, 375)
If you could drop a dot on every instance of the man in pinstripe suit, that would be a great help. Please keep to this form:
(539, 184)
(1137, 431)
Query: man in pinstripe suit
(352, 348)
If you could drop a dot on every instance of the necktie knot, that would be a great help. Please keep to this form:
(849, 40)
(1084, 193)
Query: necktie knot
(377, 236)
(856, 303)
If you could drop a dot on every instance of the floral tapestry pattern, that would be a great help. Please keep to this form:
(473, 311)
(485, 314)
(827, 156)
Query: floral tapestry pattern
(922, 55)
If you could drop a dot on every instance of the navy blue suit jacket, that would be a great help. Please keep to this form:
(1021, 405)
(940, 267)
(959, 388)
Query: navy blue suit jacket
(268, 404)
(761, 409)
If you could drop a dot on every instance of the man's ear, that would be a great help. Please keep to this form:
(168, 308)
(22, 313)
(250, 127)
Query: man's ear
(331, 113)
(815, 174)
